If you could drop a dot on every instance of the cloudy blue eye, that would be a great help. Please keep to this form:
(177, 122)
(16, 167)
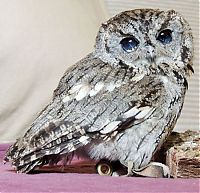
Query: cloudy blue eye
(165, 36)
(129, 44)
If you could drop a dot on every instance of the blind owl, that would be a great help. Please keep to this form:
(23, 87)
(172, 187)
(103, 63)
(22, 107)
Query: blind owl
(121, 101)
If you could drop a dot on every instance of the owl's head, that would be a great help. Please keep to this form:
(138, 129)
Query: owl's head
(148, 40)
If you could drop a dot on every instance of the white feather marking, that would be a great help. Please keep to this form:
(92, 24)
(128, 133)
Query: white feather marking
(137, 77)
(83, 139)
(67, 131)
(114, 133)
(69, 136)
(71, 147)
(63, 127)
(66, 99)
(130, 113)
(21, 162)
(47, 152)
(82, 131)
(76, 91)
(106, 122)
(33, 157)
(110, 127)
(58, 141)
(83, 92)
(79, 129)
(76, 88)
(112, 85)
(57, 151)
(118, 83)
(97, 88)
(165, 79)
(144, 111)
(93, 92)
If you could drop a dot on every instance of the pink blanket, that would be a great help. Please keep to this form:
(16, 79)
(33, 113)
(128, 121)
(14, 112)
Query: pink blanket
(10, 181)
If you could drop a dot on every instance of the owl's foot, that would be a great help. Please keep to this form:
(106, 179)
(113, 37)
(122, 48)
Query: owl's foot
(154, 170)
(130, 169)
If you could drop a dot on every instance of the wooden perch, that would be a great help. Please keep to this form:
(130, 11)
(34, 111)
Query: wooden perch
(183, 154)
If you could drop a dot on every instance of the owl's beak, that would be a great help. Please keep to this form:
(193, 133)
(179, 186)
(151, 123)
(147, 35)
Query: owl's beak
(150, 53)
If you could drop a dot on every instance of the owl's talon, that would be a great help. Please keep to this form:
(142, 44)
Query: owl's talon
(130, 169)
(165, 169)
(154, 170)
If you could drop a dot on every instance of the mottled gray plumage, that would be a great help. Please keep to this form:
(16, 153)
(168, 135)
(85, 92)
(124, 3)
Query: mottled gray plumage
(118, 103)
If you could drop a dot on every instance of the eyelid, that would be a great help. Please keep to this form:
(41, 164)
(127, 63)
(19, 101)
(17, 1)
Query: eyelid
(122, 35)
(163, 30)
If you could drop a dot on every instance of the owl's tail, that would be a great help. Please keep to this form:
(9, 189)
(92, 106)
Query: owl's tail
(25, 157)
(25, 162)
(13, 155)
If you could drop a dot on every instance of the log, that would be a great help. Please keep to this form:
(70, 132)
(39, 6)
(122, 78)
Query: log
(183, 154)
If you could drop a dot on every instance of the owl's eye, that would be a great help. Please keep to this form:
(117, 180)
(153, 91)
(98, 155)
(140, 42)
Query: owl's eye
(165, 36)
(129, 44)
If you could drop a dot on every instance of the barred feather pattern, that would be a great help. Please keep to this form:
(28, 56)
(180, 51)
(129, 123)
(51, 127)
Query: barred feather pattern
(113, 104)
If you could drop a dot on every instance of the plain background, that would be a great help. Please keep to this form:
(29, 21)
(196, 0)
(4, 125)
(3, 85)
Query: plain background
(40, 39)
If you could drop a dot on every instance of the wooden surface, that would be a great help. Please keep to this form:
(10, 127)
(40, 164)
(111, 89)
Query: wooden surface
(183, 154)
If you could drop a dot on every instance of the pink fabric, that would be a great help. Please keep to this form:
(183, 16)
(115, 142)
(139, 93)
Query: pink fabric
(10, 181)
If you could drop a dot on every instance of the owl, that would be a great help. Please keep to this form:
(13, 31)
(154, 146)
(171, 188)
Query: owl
(120, 102)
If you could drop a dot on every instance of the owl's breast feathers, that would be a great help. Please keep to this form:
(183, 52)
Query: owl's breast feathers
(93, 101)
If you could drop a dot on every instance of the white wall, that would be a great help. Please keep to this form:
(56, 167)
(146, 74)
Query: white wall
(39, 39)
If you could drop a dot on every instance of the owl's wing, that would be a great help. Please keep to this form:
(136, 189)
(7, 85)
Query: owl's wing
(93, 107)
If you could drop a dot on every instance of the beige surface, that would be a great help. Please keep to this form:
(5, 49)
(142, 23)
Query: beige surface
(39, 39)
(190, 10)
